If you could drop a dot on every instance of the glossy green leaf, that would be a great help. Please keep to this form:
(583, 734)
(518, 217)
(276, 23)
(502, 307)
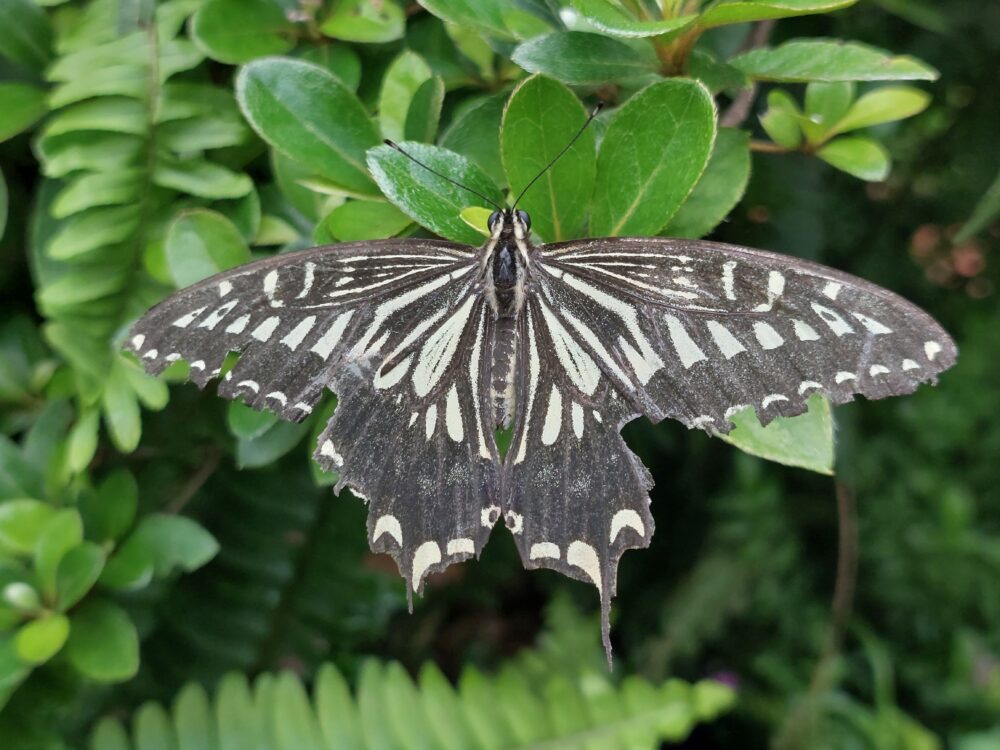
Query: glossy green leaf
(21, 106)
(720, 188)
(542, 116)
(277, 441)
(805, 441)
(425, 197)
(25, 33)
(485, 16)
(201, 243)
(21, 523)
(475, 134)
(609, 18)
(864, 158)
(173, 543)
(62, 532)
(581, 58)
(366, 220)
(110, 510)
(883, 105)
(402, 79)
(477, 218)
(715, 74)
(77, 573)
(304, 111)
(40, 640)
(743, 11)
(829, 60)
(237, 31)
(365, 21)
(339, 59)
(247, 423)
(94, 229)
(121, 411)
(652, 155)
(103, 643)
(424, 114)
(201, 178)
(783, 120)
(826, 104)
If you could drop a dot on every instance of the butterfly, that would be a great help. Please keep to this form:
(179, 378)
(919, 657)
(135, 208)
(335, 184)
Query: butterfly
(432, 347)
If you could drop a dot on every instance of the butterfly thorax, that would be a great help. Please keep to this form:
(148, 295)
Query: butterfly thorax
(507, 253)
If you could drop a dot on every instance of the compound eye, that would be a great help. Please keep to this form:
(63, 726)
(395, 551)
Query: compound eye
(525, 219)
(494, 218)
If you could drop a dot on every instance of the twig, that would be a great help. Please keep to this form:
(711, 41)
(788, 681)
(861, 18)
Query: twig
(766, 147)
(194, 483)
(739, 110)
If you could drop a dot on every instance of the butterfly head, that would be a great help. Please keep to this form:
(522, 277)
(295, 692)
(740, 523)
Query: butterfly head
(508, 222)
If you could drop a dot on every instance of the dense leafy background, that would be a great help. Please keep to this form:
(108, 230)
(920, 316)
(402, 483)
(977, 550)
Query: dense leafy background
(179, 576)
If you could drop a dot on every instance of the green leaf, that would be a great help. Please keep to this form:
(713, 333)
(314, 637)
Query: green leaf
(717, 75)
(580, 58)
(424, 114)
(366, 21)
(477, 218)
(829, 60)
(720, 188)
(22, 597)
(247, 423)
(40, 640)
(25, 34)
(110, 511)
(366, 220)
(826, 104)
(542, 116)
(237, 31)
(172, 542)
(475, 133)
(743, 11)
(304, 111)
(21, 524)
(121, 411)
(805, 441)
(402, 79)
(21, 106)
(485, 16)
(883, 105)
(271, 445)
(83, 440)
(425, 197)
(200, 178)
(862, 157)
(783, 120)
(94, 229)
(97, 189)
(103, 643)
(201, 243)
(62, 532)
(652, 155)
(4, 204)
(608, 18)
(77, 573)
(339, 59)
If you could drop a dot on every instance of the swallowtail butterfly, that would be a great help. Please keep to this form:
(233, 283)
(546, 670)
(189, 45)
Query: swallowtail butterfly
(433, 346)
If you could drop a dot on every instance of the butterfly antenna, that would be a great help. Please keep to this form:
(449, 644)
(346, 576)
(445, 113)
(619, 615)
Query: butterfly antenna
(590, 119)
(396, 146)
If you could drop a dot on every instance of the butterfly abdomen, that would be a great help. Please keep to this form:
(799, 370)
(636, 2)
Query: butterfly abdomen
(502, 369)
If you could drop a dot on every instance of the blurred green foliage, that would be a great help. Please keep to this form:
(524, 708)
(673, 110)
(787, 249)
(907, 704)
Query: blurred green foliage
(166, 554)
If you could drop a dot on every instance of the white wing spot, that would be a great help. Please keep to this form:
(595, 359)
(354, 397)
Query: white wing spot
(297, 334)
(139, 340)
(413, 418)
(303, 407)
(278, 396)
(581, 555)
(198, 365)
(251, 384)
(684, 345)
(216, 316)
(453, 415)
(427, 554)
(597, 416)
(631, 519)
(878, 370)
(461, 546)
(728, 281)
(832, 289)
(515, 522)
(836, 323)
(265, 330)
(307, 283)
(489, 515)
(809, 385)
(735, 409)
(329, 340)
(775, 288)
(581, 369)
(724, 339)
(909, 364)
(872, 325)
(185, 320)
(238, 325)
(439, 350)
(430, 420)
(270, 286)
(577, 413)
(389, 379)
(805, 332)
(772, 399)
(173, 356)
(932, 349)
(544, 551)
(225, 287)
(151, 354)
(767, 337)
(388, 525)
(553, 417)
(843, 377)
(330, 452)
